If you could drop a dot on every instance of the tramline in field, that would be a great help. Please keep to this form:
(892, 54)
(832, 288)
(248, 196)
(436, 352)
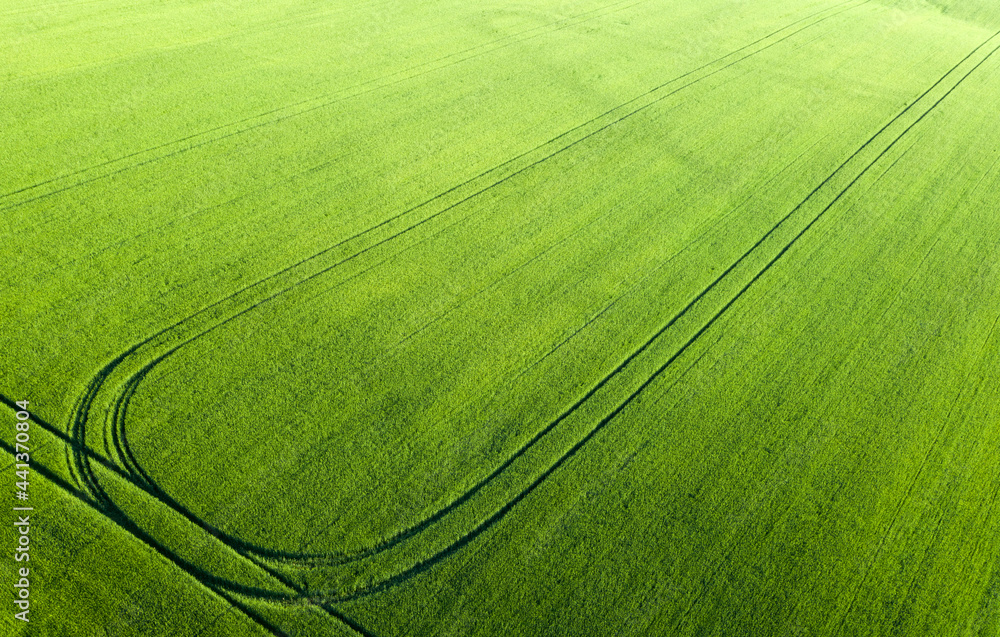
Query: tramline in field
(578, 318)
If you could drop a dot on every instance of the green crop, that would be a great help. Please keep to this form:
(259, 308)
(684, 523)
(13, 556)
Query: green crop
(551, 318)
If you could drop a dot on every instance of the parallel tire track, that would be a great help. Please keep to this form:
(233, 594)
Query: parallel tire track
(81, 456)
(588, 129)
(644, 101)
(92, 393)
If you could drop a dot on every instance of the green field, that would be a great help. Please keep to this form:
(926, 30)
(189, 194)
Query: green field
(550, 318)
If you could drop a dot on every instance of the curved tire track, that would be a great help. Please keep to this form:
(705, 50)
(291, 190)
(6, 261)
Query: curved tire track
(596, 125)
(82, 455)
